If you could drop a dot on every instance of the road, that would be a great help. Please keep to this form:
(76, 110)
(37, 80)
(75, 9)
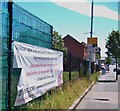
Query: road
(103, 95)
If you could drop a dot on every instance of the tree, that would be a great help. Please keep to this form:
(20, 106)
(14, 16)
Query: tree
(58, 43)
(108, 60)
(113, 44)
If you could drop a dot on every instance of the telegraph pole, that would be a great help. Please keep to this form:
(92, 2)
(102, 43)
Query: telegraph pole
(91, 32)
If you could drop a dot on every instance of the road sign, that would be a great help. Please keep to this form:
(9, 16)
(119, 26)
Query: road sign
(92, 40)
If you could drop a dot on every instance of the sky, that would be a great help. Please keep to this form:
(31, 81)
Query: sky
(73, 17)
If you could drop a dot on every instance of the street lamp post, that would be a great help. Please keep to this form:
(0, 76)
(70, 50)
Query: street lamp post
(91, 32)
(116, 70)
(117, 62)
(89, 69)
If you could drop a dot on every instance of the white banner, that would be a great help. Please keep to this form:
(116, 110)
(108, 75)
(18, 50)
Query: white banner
(42, 70)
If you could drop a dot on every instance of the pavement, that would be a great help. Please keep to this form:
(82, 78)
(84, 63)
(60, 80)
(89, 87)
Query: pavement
(108, 76)
(103, 95)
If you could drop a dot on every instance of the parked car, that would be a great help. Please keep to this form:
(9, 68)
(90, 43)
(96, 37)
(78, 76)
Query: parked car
(118, 70)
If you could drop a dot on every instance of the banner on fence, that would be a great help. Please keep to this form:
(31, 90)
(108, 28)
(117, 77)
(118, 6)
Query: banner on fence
(42, 70)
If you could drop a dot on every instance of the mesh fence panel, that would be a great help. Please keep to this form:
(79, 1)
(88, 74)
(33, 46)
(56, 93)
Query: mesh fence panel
(30, 29)
(3, 54)
(27, 28)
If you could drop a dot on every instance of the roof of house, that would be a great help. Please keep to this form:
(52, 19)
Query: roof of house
(72, 38)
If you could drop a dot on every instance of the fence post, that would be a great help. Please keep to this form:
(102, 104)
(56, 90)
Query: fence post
(9, 55)
(70, 66)
(79, 66)
(85, 67)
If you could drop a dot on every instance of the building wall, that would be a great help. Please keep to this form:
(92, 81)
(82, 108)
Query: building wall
(74, 47)
(77, 54)
(85, 53)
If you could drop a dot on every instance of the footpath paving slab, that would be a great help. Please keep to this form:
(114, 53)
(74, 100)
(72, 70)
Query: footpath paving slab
(99, 98)
(103, 95)
(109, 76)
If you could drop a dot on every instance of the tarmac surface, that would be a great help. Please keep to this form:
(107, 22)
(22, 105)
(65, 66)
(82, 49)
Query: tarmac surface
(104, 94)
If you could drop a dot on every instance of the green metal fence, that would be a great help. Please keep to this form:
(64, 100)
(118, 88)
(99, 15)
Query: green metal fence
(27, 28)
(30, 29)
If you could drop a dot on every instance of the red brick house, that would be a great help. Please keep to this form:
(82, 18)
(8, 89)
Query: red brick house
(77, 54)
(76, 48)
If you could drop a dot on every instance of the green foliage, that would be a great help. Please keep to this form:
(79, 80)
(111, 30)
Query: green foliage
(113, 44)
(97, 56)
(62, 97)
(94, 77)
(108, 60)
(58, 43)
(74, 75)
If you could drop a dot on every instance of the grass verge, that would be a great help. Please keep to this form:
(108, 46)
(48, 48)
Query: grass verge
(63, 97)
